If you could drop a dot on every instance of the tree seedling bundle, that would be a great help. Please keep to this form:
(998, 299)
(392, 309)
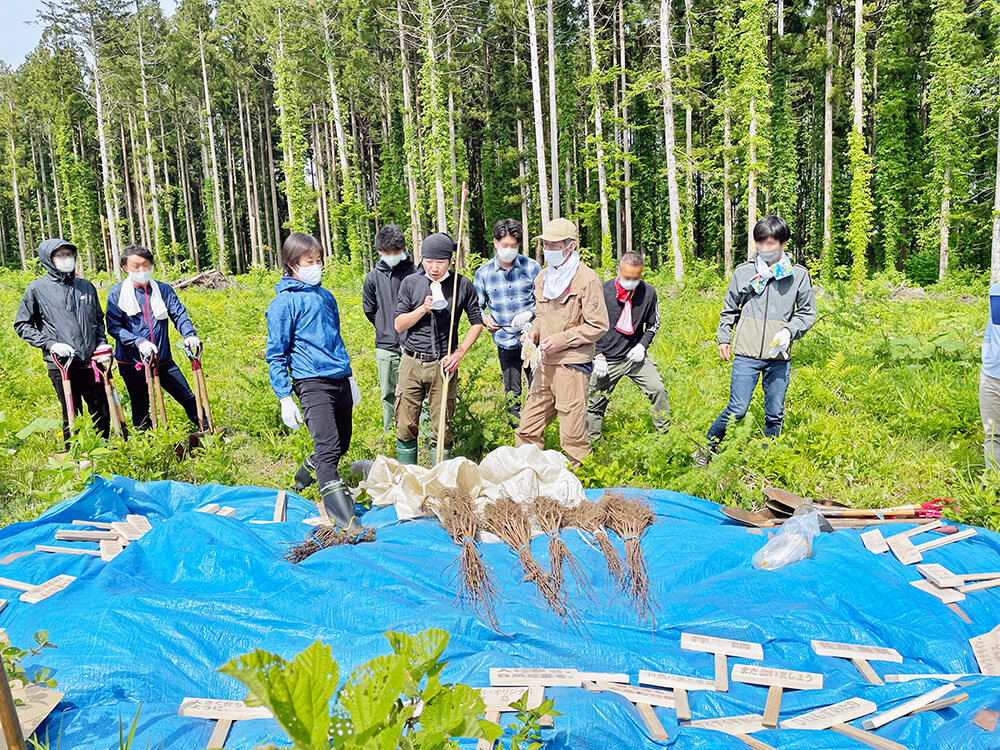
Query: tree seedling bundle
(553, 517)
(328, 536)
(629, 519)
(592, 517)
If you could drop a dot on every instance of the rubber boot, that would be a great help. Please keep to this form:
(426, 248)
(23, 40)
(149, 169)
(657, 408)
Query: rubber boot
(446, 455)
(406, 452)
(305, 475)
(338, 502)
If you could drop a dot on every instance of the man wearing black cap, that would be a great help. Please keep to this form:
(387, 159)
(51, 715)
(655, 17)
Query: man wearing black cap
(423, 313)
(61, 315)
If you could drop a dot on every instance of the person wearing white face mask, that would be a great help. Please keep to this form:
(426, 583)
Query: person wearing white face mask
(61, 314)
(306, 356)
(769, 304)
(506, 289)
(378, 301)
(623, 350)
(140, 311)
(570, 317)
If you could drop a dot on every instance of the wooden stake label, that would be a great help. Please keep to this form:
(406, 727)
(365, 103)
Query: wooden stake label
(226, 512)
(948, 596)
(826, 717)
(75, 535)
(854, 651)
(211, 508)
(55, 549)
(903, 549)
(903, 709)
(941, 541)
(784, 678)
(280, 506)
(986, 647)
(744, 724)
(939, 575)
(110, 549)
(207, 708)
(501, 677)
(709, 644)
(909, 677)
(674, 681)
(649, 696)
(44, 590)
(874, 541)
(140, 522)
(500, 699)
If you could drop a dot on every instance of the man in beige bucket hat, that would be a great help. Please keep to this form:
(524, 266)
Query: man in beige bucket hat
(570, 316)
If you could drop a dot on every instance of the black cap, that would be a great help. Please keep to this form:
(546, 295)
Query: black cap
(438, 246)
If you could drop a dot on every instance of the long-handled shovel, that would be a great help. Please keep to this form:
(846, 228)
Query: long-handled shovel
(104, 361)
(205, 421)
(446, 376)
(157, 409)
(66, 386)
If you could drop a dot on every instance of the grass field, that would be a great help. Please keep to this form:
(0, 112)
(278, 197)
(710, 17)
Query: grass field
(882, 407)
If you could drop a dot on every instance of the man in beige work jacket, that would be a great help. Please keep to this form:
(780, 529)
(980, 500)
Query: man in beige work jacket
(570, 316)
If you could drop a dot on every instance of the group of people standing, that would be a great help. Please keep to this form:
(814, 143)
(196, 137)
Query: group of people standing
(571, 337)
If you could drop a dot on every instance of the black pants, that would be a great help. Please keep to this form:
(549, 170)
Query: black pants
(84, 389)
(511, 366)
(171, 380)
(328, 409)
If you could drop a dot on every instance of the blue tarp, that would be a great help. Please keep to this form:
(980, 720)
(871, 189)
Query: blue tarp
(152, 626)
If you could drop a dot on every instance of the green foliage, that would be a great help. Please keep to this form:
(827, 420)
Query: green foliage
(375, 707)
(13, 658)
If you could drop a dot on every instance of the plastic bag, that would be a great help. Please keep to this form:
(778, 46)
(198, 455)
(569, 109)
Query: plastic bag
(793, 543)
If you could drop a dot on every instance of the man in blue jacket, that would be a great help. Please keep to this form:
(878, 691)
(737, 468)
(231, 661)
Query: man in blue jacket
(139, 313)
(61, 315)
(306, 356)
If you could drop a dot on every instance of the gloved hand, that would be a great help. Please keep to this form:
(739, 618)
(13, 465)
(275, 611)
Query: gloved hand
(355, 392)
(781, 343)
(63, 351)
(523, 318)
(290, 413)
(147, 349)
(636, 354)
(600, 367)
(193, 343)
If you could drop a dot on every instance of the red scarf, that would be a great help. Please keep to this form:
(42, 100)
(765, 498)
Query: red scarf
(624, 324)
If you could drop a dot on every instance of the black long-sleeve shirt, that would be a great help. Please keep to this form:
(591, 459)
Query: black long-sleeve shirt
(378, 300)
(614, 345)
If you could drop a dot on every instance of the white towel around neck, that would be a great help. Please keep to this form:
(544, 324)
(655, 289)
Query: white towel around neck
(128, 300)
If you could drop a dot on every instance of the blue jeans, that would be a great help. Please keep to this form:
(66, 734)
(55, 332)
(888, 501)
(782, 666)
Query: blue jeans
(746, 371)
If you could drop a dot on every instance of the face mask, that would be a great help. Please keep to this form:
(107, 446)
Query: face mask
(628, 286)
(310, 275)
(507, 254)
(554, 258)
(771, 256)
(140, 277)
(394, 260)
(64, 264)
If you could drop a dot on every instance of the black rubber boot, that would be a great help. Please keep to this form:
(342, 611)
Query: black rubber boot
(305, 475)
(338, 502)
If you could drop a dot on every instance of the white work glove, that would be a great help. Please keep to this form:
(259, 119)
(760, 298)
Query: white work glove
(781, 343)
(636, 354)
(600, 367)
(193, 343)
(522, 319)
(355, 392)
(147, 349)
(63, 351)
(290, 413)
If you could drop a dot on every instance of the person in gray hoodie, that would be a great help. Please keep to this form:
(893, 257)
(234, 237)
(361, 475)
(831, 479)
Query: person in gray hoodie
(61, 315)
(769, 304)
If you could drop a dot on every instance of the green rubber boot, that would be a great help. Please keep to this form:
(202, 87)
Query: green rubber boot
(406, 451)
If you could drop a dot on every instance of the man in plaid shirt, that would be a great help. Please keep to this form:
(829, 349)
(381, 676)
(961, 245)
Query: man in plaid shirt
(506, 289)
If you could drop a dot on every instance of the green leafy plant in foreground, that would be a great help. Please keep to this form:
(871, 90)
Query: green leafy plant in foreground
(376, 707)
(13, 658)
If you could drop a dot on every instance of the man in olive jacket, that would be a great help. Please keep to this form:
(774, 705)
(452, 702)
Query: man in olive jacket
(570, 317)
(769, 304)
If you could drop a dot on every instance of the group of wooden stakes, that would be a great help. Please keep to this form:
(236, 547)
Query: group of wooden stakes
(629, 518)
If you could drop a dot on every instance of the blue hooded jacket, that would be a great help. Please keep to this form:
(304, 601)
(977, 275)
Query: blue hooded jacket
(303, 336)
(130, 330)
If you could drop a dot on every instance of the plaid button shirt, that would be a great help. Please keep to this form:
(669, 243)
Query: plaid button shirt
(506, 293)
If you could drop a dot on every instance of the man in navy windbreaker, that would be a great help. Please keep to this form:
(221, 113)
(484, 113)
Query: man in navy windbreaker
(304, 342)
(139, 313)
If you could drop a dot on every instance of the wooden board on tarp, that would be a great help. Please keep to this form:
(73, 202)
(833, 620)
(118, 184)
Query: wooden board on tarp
(37, 702)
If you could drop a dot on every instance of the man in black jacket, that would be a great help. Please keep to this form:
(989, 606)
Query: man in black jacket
(378, 300)
(634, 314)
(61, 315)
